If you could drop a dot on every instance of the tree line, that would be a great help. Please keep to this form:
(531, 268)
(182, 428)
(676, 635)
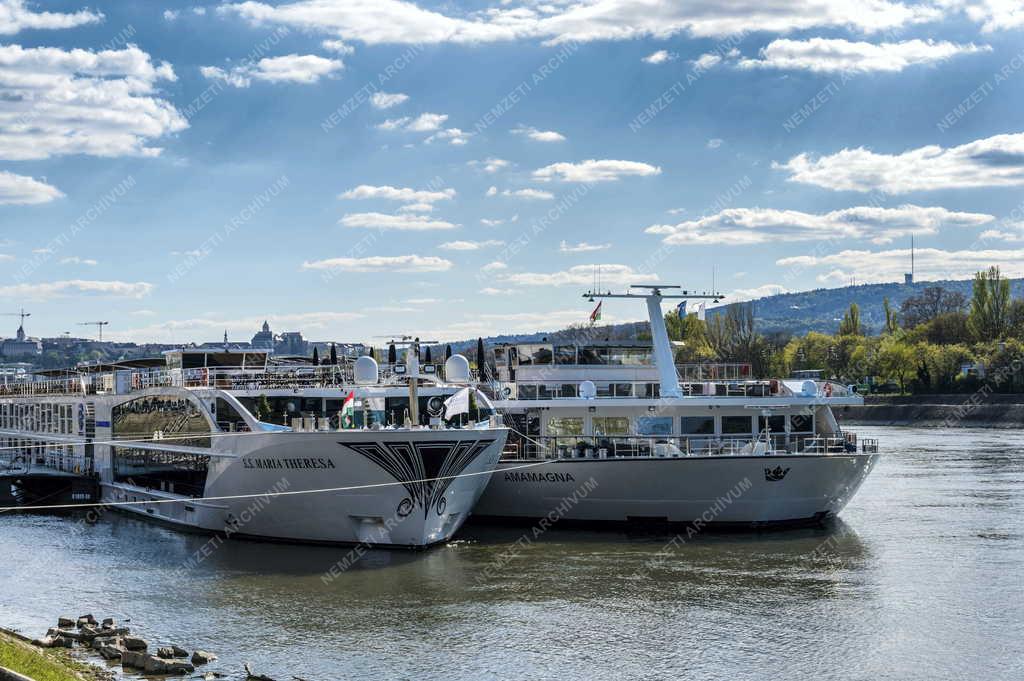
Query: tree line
(935, 342)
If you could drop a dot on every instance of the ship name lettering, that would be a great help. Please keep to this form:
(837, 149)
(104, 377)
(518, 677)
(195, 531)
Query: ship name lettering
(286, 464)
(530, 476)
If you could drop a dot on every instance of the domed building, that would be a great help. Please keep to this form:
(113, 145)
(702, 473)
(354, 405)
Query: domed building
(264, 338)
(21, 345)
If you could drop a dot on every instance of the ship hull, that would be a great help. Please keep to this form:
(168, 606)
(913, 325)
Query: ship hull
(275, 480)
(732, 491)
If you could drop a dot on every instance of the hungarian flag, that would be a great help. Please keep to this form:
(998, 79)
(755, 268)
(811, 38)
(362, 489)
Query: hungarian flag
(595, 316)
(348, 412)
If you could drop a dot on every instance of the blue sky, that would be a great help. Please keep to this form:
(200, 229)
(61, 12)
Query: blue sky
(179, 169)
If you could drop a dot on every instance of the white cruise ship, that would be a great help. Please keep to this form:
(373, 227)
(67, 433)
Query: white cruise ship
(178, 441)
(628, 436)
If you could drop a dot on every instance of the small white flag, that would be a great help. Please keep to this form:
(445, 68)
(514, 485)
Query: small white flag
(700, 312)
(457, 404)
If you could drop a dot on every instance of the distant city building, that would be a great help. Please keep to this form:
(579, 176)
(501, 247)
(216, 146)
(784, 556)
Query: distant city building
(264, 338)
(21, 345)
(291, 343)
(908, 278)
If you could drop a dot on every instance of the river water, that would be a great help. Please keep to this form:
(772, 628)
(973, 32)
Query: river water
(922, 578)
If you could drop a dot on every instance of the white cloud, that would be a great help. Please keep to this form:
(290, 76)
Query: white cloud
(929, 263)
(206, 328)
(171, 14)
(825, 55)
(423, 301)
(538, 135)
(143, 313)
(580, 275)
(991, 162)
(399, 21)
(706, 61)
(495, 266)
(393, 123)
(403, 194)
(199, 11)
(406, 222)
(470, 245)
(528, 193)
(337, 46)
(453, 136)
(745, 226)
(386, 100)
(59, 102)
(427, 122)
(15, 17)
(24, 190)
(582, 247)
(742, 294)
(70, 288)
(492, 291)
(490, 165)
(486, 222)
(1009, 231)
(594, 171)
(382, 263)
(993, 15)
(714, 143)
(660, 57)
(304, 69)
(75, 260)
(416, 208)
(491, 191)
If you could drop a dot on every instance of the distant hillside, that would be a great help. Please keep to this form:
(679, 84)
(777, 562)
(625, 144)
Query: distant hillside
(821, 309)
(797, 313)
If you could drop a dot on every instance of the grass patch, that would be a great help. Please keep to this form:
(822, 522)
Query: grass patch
(36, 663)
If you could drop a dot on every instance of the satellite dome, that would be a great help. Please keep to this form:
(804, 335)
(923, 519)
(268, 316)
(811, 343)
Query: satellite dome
(456, 369)
(365, 371)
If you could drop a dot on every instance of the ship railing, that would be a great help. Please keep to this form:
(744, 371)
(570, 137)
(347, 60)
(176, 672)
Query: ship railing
(645, 446)
(76, 385)
(30, 458)
(553, 389)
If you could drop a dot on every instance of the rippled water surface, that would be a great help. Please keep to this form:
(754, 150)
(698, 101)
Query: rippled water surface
(923, 578)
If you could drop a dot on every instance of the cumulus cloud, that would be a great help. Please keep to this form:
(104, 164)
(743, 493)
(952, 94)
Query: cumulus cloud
(16, 17)
(994, 15)
(406, 222)
(538, 135)
(291, 68)
(714, 143)
(825, 55)
(659, 57)
(470, 245)
(70, 288)
(582, 247)
(453, 136)
(402, 194)
(495, 266)
(492, 291)
(203, 328)
(930, 263)
(23, 190)
(337, 46)
(706, 61)
(991, 162)
(75, 260)
(580, 275)
(1011, 231)
(741, 294)
(56, 102)
(382, 263)
(745, 226)
(528, 193)
(594, 171)
(401, 21)
(489, 165)
(386, 100)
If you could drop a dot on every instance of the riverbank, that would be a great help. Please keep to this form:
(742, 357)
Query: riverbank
(18, 655)
(978, 410)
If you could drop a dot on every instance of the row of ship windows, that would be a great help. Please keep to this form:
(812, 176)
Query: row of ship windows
(38, 417)
(609, 426)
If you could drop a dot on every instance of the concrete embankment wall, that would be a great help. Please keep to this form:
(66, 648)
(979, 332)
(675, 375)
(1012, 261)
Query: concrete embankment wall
(931, 411)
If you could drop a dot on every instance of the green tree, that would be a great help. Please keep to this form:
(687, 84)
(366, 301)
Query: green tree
(850, 326)
(892, 324)
(263, 408)
(929, 304)
(896, 361)
(990, 306)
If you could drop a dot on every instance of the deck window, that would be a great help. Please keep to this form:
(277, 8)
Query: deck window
(611, 425)
(565, 426)
(737, 425)
(587, 355)
(565, 354)
(776, 424)
(654, 425)
(698, 425)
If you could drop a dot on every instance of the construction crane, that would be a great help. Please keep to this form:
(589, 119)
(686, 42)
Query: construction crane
(21, 313)
(98, 325)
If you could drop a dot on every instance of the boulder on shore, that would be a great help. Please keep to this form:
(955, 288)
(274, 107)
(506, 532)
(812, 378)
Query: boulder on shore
(109, 651)
(165, 653)
(133, 658)
(135, 643)
(108, 623)
(65, 622)
(202, 657)
(86, 619)
(44, 642)
(157, 665)
(179, 651)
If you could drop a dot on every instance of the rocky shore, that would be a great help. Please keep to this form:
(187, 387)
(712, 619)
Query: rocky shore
(977, 410)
